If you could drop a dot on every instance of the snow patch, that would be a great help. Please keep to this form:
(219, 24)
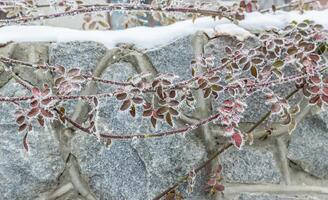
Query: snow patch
(232, 29)
(147, 37)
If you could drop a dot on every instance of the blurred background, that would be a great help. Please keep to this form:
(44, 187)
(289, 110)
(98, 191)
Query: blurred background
(120, 20)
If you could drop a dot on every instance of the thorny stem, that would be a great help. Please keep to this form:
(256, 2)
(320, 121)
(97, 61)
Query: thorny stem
(221, 150)
(286, 79)
(141, 136)
(52, 68)
(178, 85)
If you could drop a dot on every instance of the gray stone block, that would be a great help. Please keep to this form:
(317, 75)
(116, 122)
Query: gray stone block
(24, 175)
(308, 146)
(249, 165)
(173, 58)
(83, 55)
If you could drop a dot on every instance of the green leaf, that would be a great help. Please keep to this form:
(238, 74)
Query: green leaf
(254, 71)
(278, 63)
(168, 119)
(292, 50)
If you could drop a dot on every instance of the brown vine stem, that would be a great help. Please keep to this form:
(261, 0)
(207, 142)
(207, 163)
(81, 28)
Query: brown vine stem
(111, 7)
(52, 68)
(221, 150)
(178, 85)
(141, 136)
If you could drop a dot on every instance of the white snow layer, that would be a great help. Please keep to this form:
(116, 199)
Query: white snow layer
(147, 37)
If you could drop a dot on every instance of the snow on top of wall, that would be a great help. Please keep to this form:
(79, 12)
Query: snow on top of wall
(258, 22)
(147, 37)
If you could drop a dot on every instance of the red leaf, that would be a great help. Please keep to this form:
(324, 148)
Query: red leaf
(33, 112)
(22, 127)
(20, 120)
(36, 91)
(133, 111)
(314, 89)
(315, 79)
(228, 103)
(137, 100)
(45, 92)
(46, 101)
(276, 108)
(46, 113)
(147, 105)
(237, 139)
(219, 187)
(314, 99)
(228, 50)
(325, 90)
(25, 142)
(249, 7)
(219, 169)
(121, 96)
(41, 120)
(174, 103)
(153, 121)
(172, 94)
(95, 101)
(34, 103)
(147, 113)
(125, 105)
(155, 83)
(314, 57)
(159, 92)
(325, 79)
(211, 182)
(324, 99)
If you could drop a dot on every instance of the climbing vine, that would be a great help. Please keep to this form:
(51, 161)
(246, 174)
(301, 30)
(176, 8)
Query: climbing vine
(299, 48)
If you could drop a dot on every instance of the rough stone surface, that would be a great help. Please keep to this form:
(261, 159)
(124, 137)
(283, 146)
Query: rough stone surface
(249, 165)
(84, 55)
(24, 175)
(173, 58)
(135, 170)
(308, 146)
(263, 196)
(7, 111)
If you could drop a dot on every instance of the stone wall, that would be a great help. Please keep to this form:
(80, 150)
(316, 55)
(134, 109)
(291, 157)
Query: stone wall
(67, 164)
